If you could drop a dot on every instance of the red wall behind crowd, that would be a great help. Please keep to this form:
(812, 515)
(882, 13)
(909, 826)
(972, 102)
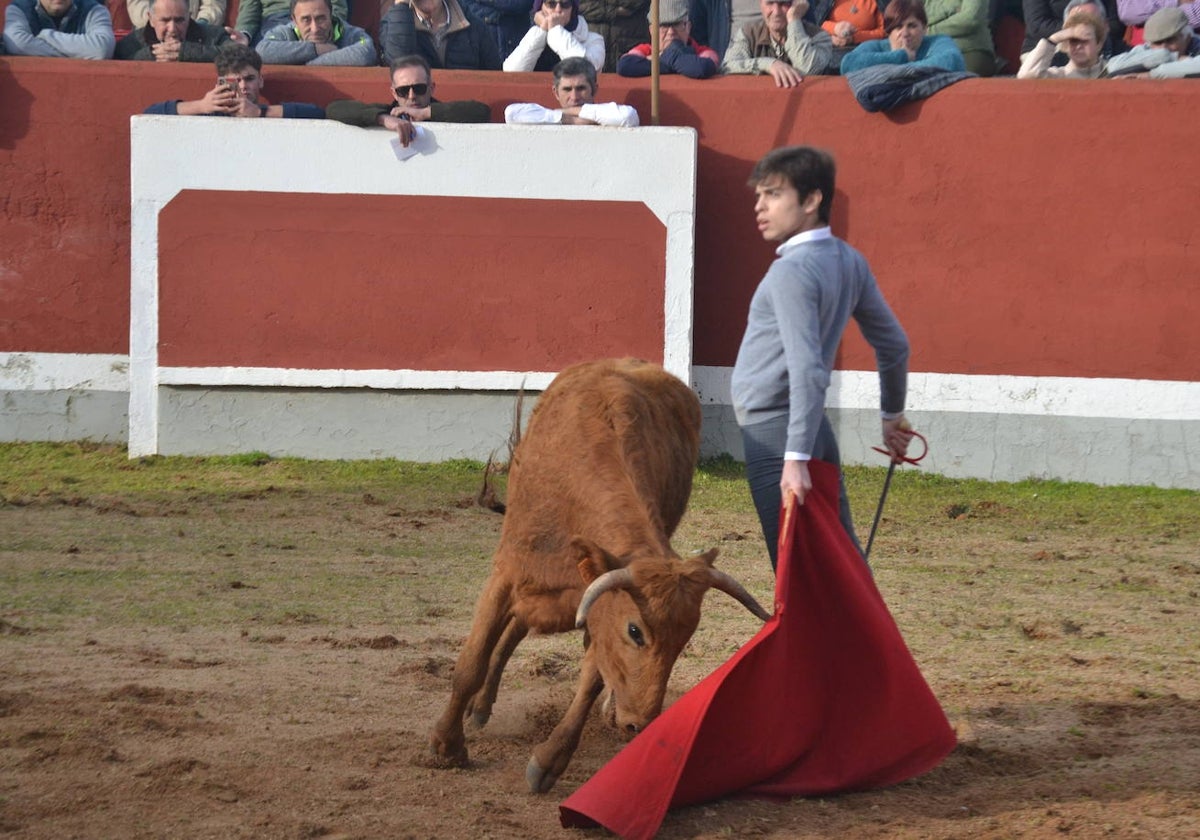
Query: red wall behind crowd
(1030, 228)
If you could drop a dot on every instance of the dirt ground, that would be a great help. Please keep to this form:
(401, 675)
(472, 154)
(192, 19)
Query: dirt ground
(270, 666)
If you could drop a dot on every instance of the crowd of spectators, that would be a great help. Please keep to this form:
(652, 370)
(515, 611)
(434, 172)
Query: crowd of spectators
(785, 39)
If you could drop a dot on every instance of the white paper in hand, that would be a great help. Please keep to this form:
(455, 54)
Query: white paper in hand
(420, 143)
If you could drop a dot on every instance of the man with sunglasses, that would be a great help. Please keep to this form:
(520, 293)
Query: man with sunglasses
(238, 92)
(316, 36)
(677, 51)
(781, 44)
(1171, 50)
(412, 91)
(575, 89)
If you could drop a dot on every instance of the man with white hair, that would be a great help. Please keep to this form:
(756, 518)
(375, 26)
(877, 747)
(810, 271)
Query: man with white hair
(1171, 49)
(171, 35)
(781, 44)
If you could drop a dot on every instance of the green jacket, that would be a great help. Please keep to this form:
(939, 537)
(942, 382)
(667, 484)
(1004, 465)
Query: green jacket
(966, 21)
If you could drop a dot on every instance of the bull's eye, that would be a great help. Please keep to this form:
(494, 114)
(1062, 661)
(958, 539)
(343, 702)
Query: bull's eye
(635, 633)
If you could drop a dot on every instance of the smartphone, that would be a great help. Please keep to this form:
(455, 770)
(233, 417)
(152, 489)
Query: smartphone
(228, 84)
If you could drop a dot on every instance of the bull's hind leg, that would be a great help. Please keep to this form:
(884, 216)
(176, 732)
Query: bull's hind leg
(492, 614)
(480, 707)
(551, 757)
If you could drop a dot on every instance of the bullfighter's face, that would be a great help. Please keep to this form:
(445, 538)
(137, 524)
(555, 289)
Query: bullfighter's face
(780, 211)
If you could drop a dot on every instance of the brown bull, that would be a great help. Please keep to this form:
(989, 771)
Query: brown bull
(596, 488)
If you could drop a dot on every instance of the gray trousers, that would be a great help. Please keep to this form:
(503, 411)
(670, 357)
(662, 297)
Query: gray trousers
(765, 444)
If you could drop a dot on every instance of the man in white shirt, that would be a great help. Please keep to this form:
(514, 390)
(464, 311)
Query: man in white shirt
(575, 89)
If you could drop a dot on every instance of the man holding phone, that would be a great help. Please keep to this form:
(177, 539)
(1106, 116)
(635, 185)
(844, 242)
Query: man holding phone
(237, 93)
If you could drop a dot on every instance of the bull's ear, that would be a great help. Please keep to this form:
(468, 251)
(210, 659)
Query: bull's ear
(709, 557)
(591, 560)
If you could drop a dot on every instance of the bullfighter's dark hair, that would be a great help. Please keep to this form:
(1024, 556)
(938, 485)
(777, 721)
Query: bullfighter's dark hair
(575, 66)
(898, 11)
(233, 57)
(805, 168)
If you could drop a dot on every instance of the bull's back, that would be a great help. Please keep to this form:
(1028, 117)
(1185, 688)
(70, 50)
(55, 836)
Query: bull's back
(611, 444)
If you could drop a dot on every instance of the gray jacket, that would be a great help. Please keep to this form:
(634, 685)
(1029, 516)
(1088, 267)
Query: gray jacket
(282, 45)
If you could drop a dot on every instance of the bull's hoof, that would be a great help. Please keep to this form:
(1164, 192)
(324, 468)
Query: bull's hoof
(480, 719)
(539, 780)
(445, 755)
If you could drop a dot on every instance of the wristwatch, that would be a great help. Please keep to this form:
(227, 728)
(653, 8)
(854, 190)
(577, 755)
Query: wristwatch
(263, 109)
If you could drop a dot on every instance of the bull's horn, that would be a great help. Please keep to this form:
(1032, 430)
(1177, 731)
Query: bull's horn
(616, 579)
(729, 586)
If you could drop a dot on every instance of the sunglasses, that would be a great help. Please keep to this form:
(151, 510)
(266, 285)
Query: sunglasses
(419, 89)
(556, 4)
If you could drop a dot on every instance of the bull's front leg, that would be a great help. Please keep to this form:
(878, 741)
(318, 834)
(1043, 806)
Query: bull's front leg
(551, 757)
(480, 706)
(492, 614)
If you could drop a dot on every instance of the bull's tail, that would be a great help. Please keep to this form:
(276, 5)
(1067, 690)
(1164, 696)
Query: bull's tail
(487, 493)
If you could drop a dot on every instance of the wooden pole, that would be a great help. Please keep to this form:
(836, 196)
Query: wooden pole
(655, 41)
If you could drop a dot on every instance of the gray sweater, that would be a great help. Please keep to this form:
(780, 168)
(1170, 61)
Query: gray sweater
(797, 317)
(282, 45)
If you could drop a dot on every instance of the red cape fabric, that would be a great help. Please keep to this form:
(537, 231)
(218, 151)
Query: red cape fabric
(826, 698)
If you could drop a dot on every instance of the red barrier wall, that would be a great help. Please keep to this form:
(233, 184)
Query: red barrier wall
(1033, 228)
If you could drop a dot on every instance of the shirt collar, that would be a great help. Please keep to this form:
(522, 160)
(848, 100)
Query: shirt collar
(427, 22)
(807, 236)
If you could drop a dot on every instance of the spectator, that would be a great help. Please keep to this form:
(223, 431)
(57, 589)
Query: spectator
(1082, 36)
(1045, 17)
(441, 31)
(211, 12)
(575, 89)
(507, 20)
(1135, 14)
(677, 52)
(170, 35)
(966, 21)
(558, 32)
(849, 23)
(258, 17)
(412, 91)
(58, 29)
(780, 44)
(238, 92)
(619, 23)
(316, 36)
(711, 20)
(906, 42)
(1171, 49)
